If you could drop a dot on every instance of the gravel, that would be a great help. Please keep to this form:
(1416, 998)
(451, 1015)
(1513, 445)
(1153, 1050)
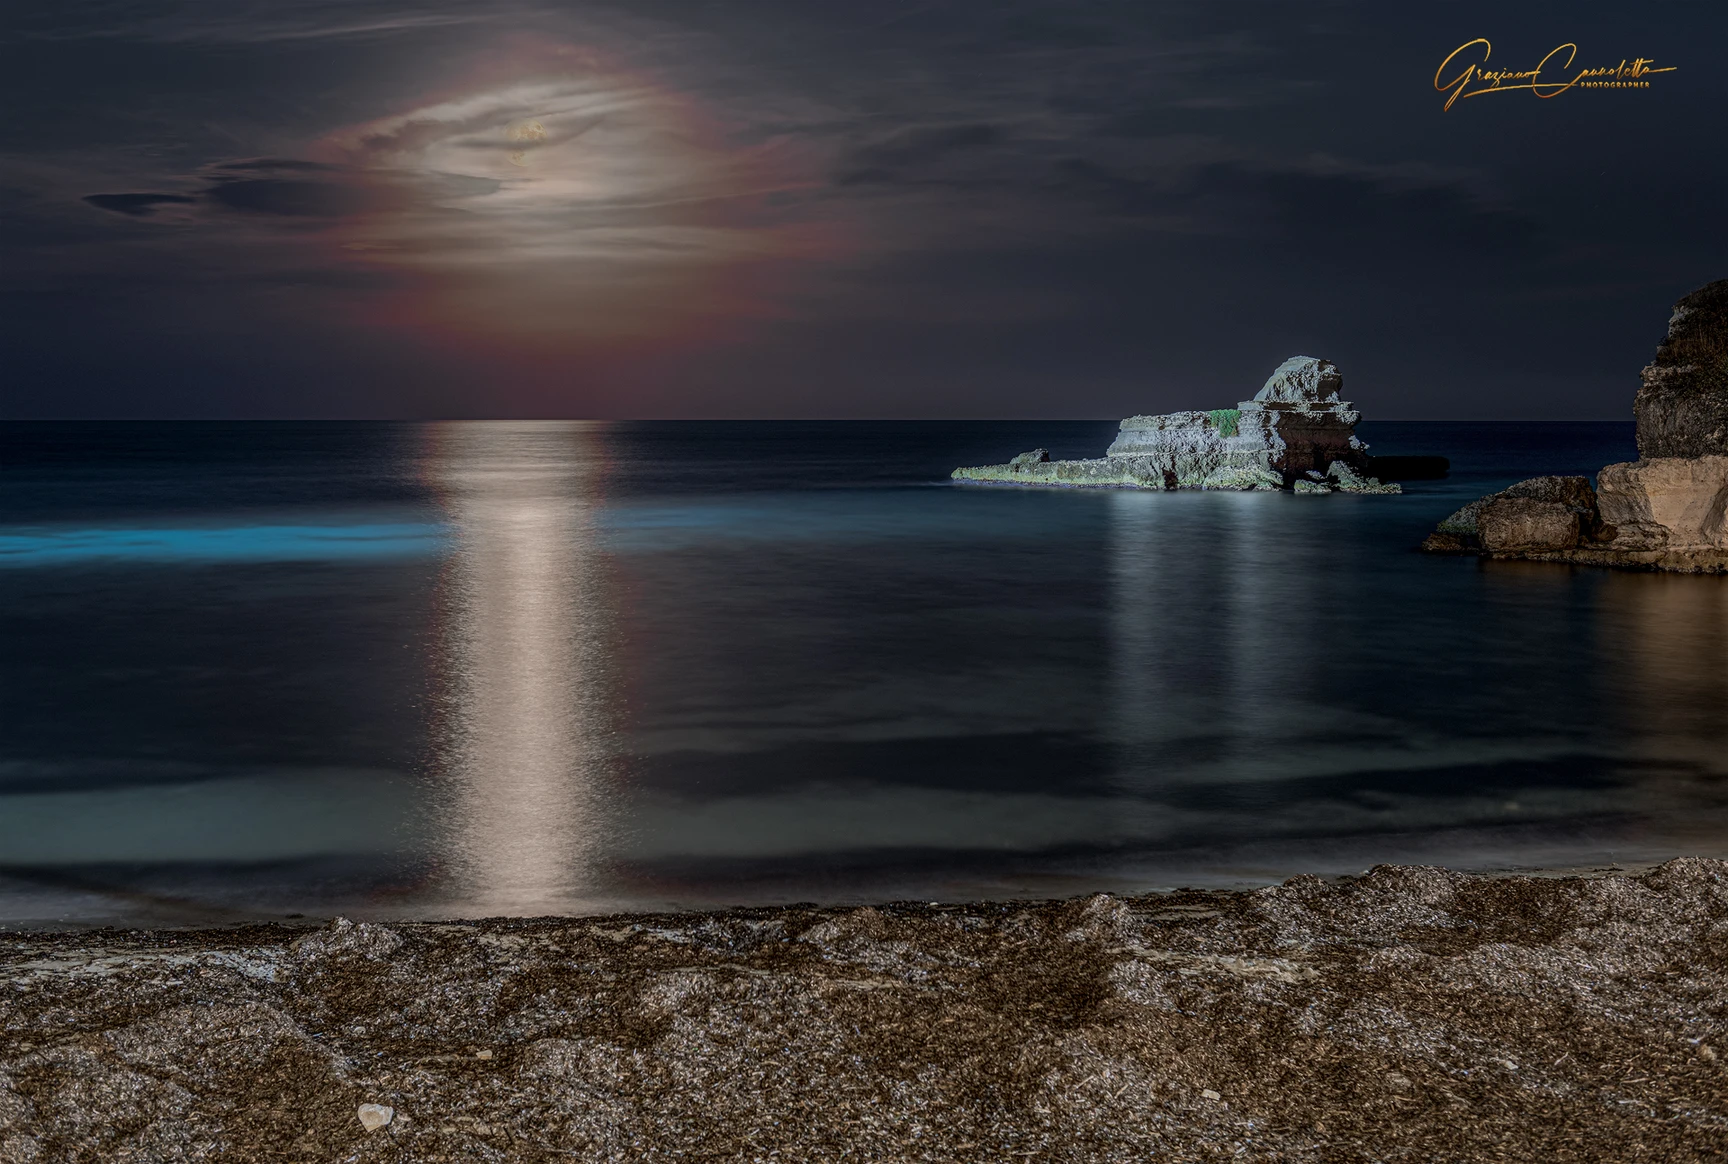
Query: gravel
(1408, 1014)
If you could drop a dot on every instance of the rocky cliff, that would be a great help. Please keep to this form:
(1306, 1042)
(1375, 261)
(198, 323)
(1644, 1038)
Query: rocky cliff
(1682, 404)
(1296, 431)
(1666, 511)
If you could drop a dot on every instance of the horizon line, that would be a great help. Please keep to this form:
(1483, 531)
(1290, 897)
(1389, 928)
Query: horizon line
(112, 419)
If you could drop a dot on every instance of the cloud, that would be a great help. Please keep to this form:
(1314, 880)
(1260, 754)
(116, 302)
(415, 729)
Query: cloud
(303, 199)
(1320, 201)
(1034, 184)
(246, 167)
(923, 144)
(300, 188)
(134, 205)
(235, 22)
(561, 201)
(1336, 207)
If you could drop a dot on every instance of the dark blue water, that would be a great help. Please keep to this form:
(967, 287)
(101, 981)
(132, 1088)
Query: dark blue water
(256, 669)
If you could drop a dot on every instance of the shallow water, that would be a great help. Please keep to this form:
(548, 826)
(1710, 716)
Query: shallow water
(511, 668)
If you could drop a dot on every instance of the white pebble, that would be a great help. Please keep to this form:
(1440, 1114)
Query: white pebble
(483, 1054)
(1210, 1094)
(375, 1115)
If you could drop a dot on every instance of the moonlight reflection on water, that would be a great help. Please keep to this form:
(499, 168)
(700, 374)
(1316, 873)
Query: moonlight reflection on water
(523, 752)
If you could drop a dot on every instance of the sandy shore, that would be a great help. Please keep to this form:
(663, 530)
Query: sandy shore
(1410, 1014)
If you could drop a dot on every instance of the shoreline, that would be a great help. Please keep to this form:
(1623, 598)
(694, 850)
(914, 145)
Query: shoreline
(96, 898)
(182, 910)
(1410, 1012)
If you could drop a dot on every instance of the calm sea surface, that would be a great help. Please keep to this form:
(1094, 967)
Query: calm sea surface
(250, 670)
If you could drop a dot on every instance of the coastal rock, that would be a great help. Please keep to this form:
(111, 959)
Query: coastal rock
(1296, 424)
(1241, 478)
(343, 940)
(1667, 513)
(1300, 382)
(1535, 514)
(1668, 510)
(1347, 480)
(1441, 542)
(1573, 492)
(1682, 402)
(1509, 524)
(1461, 523)
(1667, 502)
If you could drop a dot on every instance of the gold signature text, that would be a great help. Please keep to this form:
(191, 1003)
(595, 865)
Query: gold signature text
(1551, 77)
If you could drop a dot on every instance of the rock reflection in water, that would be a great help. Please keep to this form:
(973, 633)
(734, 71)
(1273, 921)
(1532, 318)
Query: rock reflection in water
(1670, 634)
(1162, 671)
(1216, 693)
(526, 729)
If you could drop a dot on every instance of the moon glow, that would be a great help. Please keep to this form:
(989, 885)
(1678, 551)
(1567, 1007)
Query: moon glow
(527, 134)
(582, 209)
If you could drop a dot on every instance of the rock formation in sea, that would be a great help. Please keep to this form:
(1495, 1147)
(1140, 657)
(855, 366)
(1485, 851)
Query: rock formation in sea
(1666, 511)
(1296, 432)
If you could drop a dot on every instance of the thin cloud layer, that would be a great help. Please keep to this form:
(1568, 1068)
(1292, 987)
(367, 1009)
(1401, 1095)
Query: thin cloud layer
(552, 204)
(953, 206)
(232, 22)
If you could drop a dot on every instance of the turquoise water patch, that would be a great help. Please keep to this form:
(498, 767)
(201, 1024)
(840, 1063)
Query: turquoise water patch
(880, 515)
(244, 543)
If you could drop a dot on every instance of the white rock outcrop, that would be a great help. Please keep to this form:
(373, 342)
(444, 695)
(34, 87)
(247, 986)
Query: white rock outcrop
(1296, 427)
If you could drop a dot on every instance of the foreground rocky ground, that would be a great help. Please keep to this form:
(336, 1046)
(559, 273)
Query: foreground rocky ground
(1411, 1014)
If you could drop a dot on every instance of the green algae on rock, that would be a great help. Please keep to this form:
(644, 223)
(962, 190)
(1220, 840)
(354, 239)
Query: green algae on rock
(1296, 428)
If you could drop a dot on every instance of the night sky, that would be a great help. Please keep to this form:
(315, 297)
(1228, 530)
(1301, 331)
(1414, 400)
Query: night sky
(811, 208)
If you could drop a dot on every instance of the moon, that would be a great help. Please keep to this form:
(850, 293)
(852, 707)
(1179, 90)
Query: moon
(526, 133)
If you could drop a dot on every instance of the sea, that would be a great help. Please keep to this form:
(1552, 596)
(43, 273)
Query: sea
(255, 671)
